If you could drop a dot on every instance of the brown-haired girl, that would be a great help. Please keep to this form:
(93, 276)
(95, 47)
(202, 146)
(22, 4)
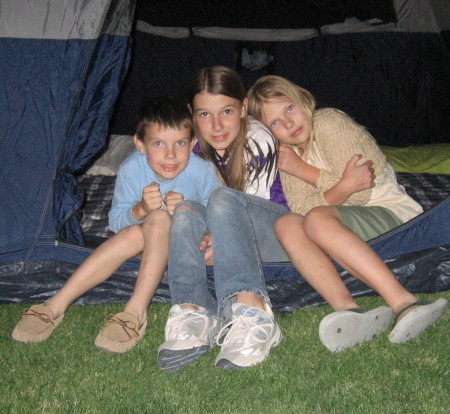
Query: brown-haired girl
(239, 220)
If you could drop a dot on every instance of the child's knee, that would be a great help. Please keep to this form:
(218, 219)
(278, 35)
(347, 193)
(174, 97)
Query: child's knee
(187, 205)
(156, 218)
(182, 207)
(186, 215)
(319, 221)
(224, 200)
(286, 224)
(132, 235)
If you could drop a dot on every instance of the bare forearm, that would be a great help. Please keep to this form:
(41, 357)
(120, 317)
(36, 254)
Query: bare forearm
(291, 163)
(338, 194)
(308, 173)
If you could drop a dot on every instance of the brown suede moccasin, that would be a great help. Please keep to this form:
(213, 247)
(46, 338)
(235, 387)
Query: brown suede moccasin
(120, 334)
(36, 325)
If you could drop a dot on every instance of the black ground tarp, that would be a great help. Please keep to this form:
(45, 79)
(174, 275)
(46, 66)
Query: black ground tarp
(425, 271)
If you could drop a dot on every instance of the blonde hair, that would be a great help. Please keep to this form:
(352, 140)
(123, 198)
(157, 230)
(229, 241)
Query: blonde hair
(221, 80)
(276, 87)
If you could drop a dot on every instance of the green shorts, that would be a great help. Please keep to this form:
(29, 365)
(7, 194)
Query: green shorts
(368, 222)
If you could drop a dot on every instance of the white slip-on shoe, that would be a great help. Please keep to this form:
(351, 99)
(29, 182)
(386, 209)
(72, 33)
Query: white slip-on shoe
(343, 329)
(420, 316)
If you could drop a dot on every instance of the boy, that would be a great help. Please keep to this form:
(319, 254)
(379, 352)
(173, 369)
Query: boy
(149, 184)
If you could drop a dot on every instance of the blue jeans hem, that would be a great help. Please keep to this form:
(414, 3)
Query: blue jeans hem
(226, 303)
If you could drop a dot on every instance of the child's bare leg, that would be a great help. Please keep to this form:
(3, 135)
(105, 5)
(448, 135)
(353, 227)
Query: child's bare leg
(124, 329)
(153, 262)
(309, 259)
(324, 227)
(98, 267)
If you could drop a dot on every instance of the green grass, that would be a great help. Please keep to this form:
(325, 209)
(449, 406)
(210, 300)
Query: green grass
(66, 374)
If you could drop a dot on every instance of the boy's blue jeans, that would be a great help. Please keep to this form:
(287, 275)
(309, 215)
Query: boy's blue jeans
(242, 237)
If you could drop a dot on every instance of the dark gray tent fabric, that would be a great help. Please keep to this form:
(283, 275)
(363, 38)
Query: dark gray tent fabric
(63, 64)
(395, 82)
(262, 13)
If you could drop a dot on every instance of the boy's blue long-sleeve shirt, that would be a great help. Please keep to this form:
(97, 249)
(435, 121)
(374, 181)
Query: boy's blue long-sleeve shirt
(195, 182)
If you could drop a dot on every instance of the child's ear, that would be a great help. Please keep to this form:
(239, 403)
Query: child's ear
(244, 108)
(139, 144)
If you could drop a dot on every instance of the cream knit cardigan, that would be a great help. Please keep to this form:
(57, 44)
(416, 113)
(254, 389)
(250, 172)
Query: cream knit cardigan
(338, 138)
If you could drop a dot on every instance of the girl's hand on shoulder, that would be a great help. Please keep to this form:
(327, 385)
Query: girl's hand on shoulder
(288, 161)
(358, 177)
(206, 245)
(171, 200)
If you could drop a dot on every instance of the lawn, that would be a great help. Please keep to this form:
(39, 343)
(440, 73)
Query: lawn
(66, 374)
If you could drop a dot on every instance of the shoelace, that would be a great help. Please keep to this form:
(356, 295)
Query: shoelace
(128, 326)
(42, 316)
(182, 318)
(238, 330)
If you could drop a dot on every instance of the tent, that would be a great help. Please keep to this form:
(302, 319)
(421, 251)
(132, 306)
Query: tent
(74, 71)
(62, 64)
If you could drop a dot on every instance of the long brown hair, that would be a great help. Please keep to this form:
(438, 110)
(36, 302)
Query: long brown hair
(221, 80)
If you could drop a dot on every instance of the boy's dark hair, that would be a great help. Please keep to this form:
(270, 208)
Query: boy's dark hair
(164, 111)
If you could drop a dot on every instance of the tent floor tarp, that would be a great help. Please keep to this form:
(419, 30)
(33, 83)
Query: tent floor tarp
(418, 256)
(425, 271)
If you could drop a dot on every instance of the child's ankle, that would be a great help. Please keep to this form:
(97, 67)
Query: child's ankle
(56, 310)
(141, 316)
(251, 299)
(189, 306)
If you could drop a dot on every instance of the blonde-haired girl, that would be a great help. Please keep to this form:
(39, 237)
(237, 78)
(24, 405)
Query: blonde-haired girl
(342, 192)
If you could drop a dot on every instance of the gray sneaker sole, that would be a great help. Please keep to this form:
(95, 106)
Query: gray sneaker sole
(225, 364)
(170, 361)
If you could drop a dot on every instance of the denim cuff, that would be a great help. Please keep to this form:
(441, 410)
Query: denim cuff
(224, 312)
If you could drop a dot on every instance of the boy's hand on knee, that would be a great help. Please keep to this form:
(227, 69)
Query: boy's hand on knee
(171, 200)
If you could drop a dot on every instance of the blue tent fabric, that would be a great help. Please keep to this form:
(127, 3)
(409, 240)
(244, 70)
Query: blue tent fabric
(60, 79)
(428, 230)
(88, 126)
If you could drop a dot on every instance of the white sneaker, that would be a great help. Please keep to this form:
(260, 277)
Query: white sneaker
(189, 333)
(248, 338)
